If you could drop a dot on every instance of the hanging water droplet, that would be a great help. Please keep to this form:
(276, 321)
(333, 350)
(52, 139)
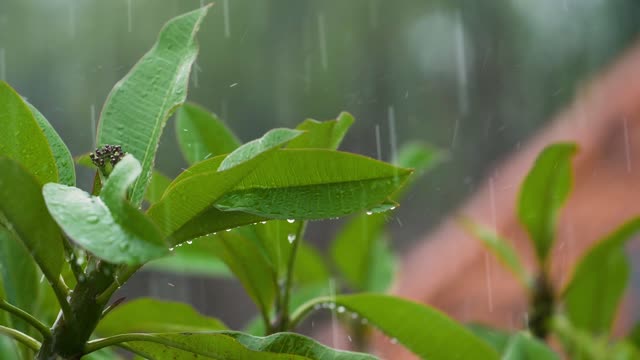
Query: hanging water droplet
(92, 219)
(291, 221)
(392, 208)
(263, 222)
(332, 306)
(393, 341)
(364, 321)
(369, 212)
(317, 306)
(340, 309)
(171, 249)
(189, 242)
(291, 238)
(354, 316)
(228, 230)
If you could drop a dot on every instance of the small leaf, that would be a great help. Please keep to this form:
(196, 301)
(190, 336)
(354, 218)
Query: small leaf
(310, 184)
(202, 135)
(322, 135)
(61, 154)
(155, 316)
(419, 156)
(525, 347)
(273, 138)
(22, 139)
(140, 104)
(24, 215)
(500, 248)
(599, 281)
(543, 192)
(192, 259)
(235, 345)
(157, 186)
(309, 267)
(427, 332)
(108, 226)
(383, 266)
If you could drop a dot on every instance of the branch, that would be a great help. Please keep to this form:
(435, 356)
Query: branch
(27, 340)
(42, 328)
(303, 310)
(118, 340)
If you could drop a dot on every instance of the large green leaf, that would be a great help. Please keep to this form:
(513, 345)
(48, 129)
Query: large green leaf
(425, 331)
(191, 259)
(155, 316)
(525, 347)
(323, 134)
(24, 215)
(383, 266)
(543, 192)
(310, 266)
(202, 135)
(200, 186)
(310, 184)
(140, 104)
(61, 154)
(157, 186)
(237, 346)
(22, 139)
(500, 247)
(108, 226)
(599, 281)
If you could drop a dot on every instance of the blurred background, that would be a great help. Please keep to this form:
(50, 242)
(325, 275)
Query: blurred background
(474, 78)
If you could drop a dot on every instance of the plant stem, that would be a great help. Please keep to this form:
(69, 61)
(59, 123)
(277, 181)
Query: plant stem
(42, 328)
(121, 277)
(283, 321)
(95, 345)
(303, 310)
(542, 306)
(61, 291)
(25, 339)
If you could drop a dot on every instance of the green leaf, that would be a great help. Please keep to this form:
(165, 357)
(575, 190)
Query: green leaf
(309, 267)
(310, 184)
(108, 226)
(500, 248)
(234, 345)
(140, 104)
(191, 260)
(425, 331)
(24, 215)
(22, 139)
(202, 135)
(61, 154)
(323, 135)
(599, 281)
(200, 186)
(419, 156)
(155, 316)
(157, 186)
(212, 220)
(523, 346)
(383, 266)
(542, 194)
(496, 338)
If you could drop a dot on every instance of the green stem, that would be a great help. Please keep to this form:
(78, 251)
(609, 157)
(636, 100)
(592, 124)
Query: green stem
(42, 328)
(61, 291)
(303, 310)
(117, 340)
(283, 323)
(76, 269)
(25, 339)
(122, 276)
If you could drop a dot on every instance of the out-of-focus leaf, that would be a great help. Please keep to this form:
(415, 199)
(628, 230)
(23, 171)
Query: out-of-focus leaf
(599, 280)
(309, 267)
(310, 184)
(500, 247)
(496, 338)
(235, 345)
(200, 186)
(542, 194)
(24, 215)
(425, 331)
(108, 226)
(525, 347)
(155, 316)
(157, 186)
(140, 104)
(323, 134)
(383, 266)
(61, 154)
(22, 139)
(191, 259)
(202, 135)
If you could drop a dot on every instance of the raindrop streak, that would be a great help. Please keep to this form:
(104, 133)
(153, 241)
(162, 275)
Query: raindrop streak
(463, 96)
(129, 15)
(627, 146)
(392, 134)
(487, 264)
(373, 14)
(291, 238)
(92, 109)
(322, 39)
(196, 70)
(227, 23)
(378, 147)
(492, 201)
(72, 20)
(3, 66)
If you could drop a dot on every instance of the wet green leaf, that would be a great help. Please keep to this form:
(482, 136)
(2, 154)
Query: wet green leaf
(235, 345)
(191, 259)
(61, 154)
(273, 138)
(523, 346)
(543, 193)
(383, 266)
(107, 226)
(157, 186)
(425, 331)
(140, 104)
(202, 135)
(24, 215)
(599, 280)
(22, 139)
(310, 267)
(323, 134)
(155, 316)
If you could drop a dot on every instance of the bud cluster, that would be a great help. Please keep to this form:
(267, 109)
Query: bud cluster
(110, 153)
